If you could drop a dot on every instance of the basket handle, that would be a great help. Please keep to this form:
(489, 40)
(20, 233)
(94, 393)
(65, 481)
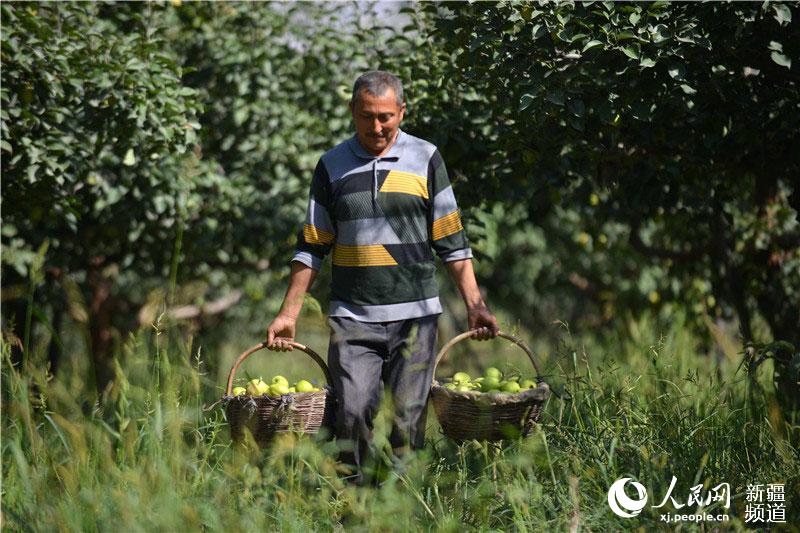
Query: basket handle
(471, 333)
(260, 346)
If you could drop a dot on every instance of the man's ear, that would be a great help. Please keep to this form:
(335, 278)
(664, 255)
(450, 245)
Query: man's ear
(402, 111)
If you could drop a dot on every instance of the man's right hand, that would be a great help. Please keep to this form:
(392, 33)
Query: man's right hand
(280, 333)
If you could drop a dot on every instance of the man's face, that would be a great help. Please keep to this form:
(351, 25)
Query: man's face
(377, 119)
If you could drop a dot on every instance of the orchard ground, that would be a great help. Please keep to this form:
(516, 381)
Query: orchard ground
(642, 403)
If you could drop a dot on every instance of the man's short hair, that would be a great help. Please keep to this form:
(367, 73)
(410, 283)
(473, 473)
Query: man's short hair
(376, 82)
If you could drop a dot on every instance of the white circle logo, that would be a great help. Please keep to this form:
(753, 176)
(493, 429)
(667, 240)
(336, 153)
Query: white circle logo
(621, 504)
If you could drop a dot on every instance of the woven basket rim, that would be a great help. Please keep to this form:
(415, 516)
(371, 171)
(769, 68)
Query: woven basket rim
(541, 392)
(325, 389)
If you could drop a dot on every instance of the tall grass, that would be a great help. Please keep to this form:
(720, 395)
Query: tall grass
(151, 456)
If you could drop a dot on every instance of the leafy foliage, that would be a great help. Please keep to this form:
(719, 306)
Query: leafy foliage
(608, 156)
(653, 143)
(274, 89)
(144, 137)
(93, 123)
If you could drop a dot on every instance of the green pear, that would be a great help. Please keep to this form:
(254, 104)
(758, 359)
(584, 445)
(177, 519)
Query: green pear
(304, 386)
(511, 386)
(278, 389)
(490, 384)
(461, 377)
(256, 387)
(493, 372)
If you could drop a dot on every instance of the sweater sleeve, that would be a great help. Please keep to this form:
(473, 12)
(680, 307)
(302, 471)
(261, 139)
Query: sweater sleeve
(449, 240)
(319, 233)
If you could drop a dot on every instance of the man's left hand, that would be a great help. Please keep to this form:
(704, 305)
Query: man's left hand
(483, 322)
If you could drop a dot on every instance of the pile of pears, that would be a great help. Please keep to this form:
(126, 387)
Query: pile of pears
(493, 380)
(278, 386)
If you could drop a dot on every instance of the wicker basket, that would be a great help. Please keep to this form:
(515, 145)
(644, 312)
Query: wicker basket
(265, 416)
(487, 416)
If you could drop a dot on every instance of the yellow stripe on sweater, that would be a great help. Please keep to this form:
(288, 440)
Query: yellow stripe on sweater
(357, 256)
(405, 182)
(314, 235)
(447, 225)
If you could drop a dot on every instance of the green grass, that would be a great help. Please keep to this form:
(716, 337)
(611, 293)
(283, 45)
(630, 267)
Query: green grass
(644, 404)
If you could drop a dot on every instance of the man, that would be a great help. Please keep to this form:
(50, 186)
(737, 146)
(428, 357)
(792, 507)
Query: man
(382, 201)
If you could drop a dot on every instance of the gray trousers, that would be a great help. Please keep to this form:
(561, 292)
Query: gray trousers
(366, 357)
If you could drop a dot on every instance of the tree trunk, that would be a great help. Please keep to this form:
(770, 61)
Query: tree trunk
(13, 312)
(101, 333)
(781, 312)
(54, 350)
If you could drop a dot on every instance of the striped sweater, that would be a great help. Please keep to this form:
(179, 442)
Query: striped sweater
(383, 218)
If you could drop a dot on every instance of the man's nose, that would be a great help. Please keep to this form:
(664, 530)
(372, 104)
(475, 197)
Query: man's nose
(376, 126)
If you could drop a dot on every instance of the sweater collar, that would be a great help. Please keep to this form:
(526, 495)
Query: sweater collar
(395, 152)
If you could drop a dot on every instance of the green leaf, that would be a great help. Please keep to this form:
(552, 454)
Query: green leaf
(478, 42)
(687, 89)
(135, 64)
(630, 52)
(634, 18)
(659, 33)
(781, 59)
(782, 14)
(32, 173)
(130, 158)
(7, 147)
(677, 71)
(647, 62)
(537, 31)
(556, 97)
(577, 107)
(240, 115)
(657, 5)
(525, 101)
(775, 45)
(592, 44)
(624, 35)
